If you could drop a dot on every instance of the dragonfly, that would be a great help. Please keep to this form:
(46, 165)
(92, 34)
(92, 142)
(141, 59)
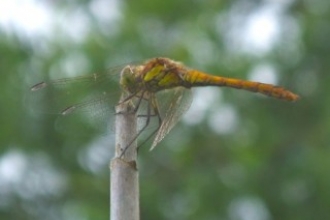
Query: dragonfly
(145, 82)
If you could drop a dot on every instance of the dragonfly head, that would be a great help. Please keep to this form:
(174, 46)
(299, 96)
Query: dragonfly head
(128, 79)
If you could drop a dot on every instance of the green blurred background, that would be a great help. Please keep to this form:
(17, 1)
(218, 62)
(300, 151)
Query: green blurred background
(235, 155)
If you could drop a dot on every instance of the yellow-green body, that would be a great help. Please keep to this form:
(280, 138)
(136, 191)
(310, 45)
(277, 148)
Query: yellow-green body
(162, 73)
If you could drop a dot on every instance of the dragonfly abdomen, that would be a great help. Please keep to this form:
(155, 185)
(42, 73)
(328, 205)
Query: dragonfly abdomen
(197, 78)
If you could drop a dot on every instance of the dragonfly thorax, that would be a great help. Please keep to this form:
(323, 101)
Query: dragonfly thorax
(162, 73)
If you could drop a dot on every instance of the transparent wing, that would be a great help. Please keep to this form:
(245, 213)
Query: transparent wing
(179, 102)
(87, 100)
(58, 95)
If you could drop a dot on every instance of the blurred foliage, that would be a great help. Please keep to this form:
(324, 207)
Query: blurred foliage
(273, 164)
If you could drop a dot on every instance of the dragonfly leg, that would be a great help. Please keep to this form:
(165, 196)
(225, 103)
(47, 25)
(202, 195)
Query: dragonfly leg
(148, 115)
(139, 133)
(128, 99)
(139, 102)
(156, 113)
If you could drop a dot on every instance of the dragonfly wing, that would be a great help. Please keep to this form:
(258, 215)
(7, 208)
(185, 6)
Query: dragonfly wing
(83, 101)
(95, 114)
(179, 102)
(55, 96)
